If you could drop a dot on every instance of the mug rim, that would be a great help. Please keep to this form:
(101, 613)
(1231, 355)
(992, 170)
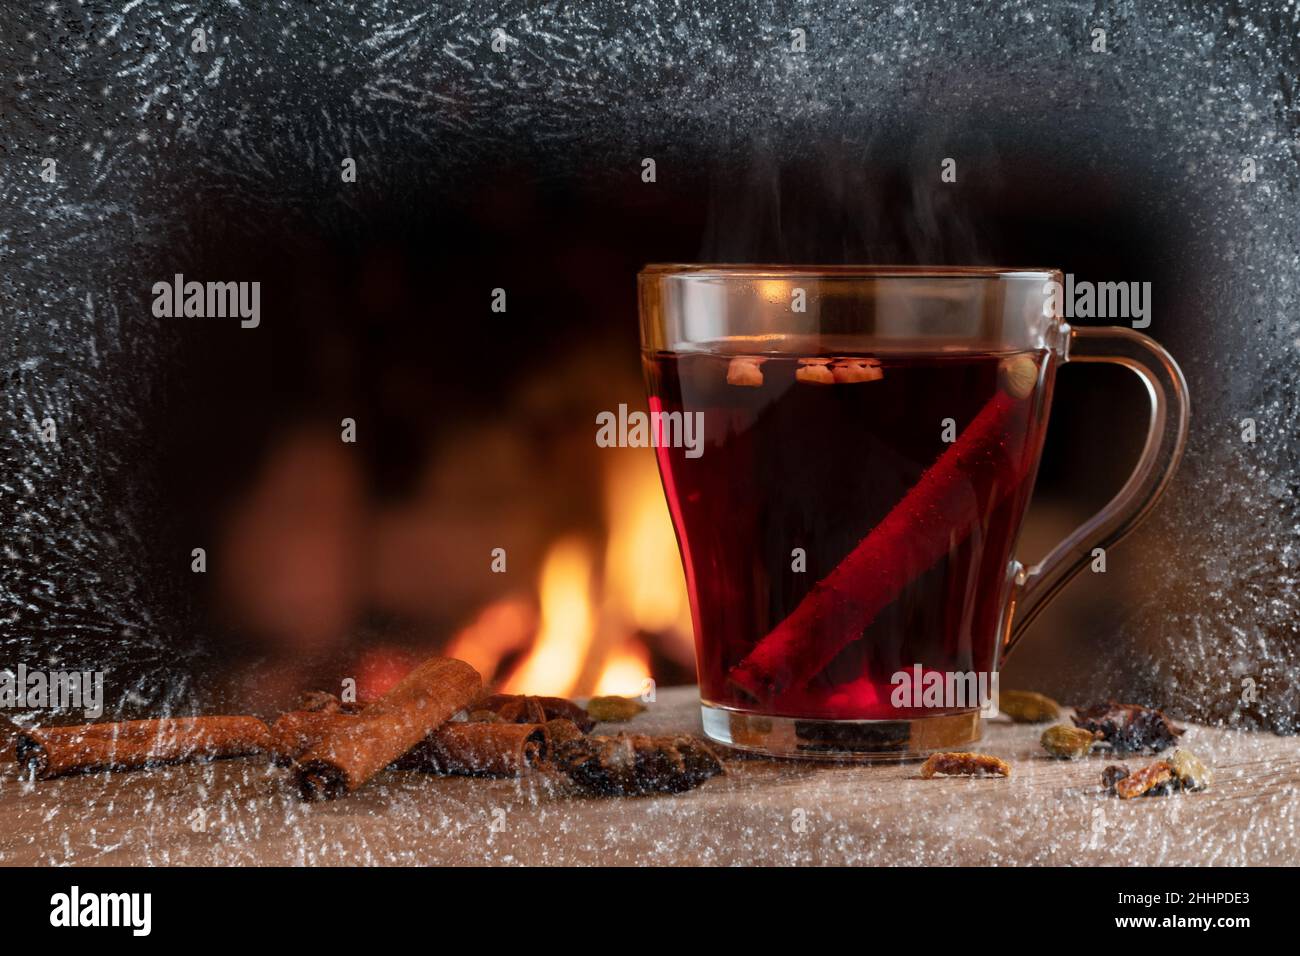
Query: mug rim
(864, 271)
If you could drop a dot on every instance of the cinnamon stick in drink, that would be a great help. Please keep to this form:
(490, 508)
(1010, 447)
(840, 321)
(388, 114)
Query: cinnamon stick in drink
(350, 753)
(936, 514)
(128, 745)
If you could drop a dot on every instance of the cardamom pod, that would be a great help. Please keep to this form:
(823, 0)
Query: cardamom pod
(1027, 707)
(1190, 773)
(1066, 742)
(614, 709)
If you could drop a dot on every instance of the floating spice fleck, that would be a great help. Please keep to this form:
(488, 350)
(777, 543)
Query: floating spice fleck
(1129, 728)
(853, 370)
(614, 709)
(637, 764)
(1019, 375)
(1068, 743)
(964, 764)
(815, 371)
(1027, 707)
(745, 371)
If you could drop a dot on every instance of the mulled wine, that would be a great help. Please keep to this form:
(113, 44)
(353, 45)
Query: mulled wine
(847, 527)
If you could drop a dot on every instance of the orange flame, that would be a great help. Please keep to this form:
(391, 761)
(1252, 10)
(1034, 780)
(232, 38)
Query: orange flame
(587, 640)
(644, 585)
(624, 673)
(568, 626)
(501, 627)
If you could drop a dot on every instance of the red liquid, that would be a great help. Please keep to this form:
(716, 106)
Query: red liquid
(795, 464)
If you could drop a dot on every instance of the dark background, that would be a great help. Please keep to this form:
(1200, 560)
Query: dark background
(522, 170)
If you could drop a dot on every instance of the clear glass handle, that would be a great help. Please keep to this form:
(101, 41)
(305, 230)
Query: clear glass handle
(1166, 437)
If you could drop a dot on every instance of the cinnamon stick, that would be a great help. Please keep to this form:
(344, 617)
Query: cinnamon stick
(350, 753)
(469, 748)
(526, 709)
(128, 745)
(478, 749)
(935, 515)
(297, 731)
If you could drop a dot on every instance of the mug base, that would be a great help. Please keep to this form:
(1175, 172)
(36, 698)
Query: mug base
(840, 740)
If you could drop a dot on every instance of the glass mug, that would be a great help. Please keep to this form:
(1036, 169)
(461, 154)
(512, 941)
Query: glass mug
(865, 445)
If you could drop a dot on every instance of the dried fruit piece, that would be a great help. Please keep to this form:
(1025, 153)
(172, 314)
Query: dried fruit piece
(613, 709)
(1129, 728)
(1189, 771)
(849, 371)
(1113, 775)
(744, 371)
(637, 764)
(1027, 707)
(964, 764)
(1182, 771)
(1068, 743)
(1153, 780)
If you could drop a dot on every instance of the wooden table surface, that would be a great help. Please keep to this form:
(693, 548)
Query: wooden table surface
(761, 812)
